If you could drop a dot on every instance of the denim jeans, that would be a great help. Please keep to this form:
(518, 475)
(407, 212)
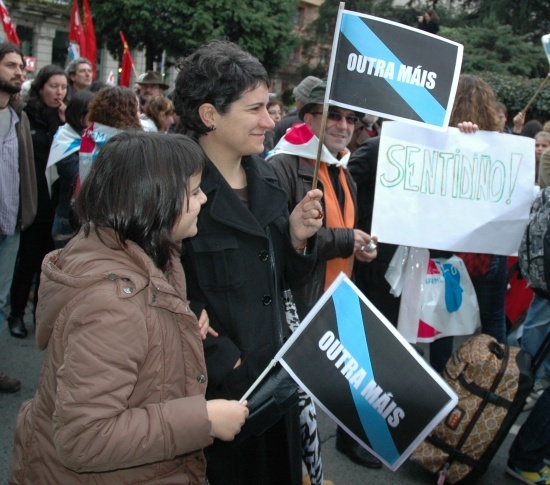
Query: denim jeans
(61, 227)
(491, 294)
(535, 328)
(9, 245)
(533, 439)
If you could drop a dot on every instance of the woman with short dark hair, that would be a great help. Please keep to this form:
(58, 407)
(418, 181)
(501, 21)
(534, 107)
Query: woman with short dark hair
(247, 243)
(121, 392)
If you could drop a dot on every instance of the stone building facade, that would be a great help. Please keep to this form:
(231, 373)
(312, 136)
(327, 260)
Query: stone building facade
(43, 26)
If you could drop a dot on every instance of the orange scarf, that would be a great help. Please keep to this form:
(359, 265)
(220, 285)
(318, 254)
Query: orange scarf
(335, 219)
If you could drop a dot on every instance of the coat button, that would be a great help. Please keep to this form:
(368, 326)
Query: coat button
(128, 290)
(266, 300)
(201, 379)
(264, 255)
(154, 298)
(112, 277)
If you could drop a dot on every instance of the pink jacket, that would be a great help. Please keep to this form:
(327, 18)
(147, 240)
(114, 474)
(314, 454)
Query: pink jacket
(121, 392)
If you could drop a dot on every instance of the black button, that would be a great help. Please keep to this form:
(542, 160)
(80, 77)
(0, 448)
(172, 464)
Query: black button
(264, 255)
(201, 379)
(266, 300)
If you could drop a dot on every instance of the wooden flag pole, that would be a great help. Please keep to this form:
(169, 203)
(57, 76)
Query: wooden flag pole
(135, 72)
(327, 97)
(524, 110)
(320, 147)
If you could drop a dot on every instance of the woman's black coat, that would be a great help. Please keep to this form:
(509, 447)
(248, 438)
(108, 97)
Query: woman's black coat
(234, 268)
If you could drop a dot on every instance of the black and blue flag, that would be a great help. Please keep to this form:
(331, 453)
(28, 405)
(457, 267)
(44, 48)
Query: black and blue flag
(364, 375)
(393, 70)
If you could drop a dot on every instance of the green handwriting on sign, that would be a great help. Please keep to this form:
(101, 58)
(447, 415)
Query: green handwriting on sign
(450, 174)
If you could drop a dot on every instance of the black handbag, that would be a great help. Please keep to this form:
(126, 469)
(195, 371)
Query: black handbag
(269, 402)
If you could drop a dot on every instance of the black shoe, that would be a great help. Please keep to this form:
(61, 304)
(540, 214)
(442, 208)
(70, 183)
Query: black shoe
(354, 451)
(17, 327)
(9, 384)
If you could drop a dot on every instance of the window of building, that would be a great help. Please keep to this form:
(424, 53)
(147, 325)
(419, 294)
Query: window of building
(25, 35)
(324, 56)
(299, 19)
(59, 48)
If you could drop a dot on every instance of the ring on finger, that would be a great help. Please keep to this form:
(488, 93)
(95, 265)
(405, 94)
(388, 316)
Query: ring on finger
(320, 215)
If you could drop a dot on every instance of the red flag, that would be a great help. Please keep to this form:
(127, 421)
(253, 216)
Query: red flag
(89, 35)
(127, 63)
(9, 28)
(76, 33)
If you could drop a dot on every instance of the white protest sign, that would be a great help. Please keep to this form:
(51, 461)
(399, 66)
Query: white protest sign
(546, 45)
(453, 191)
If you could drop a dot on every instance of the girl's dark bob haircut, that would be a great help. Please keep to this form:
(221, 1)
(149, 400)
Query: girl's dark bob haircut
(137, 187)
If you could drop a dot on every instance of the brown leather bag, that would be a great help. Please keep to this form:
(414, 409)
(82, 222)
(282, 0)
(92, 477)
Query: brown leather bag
(492, 381)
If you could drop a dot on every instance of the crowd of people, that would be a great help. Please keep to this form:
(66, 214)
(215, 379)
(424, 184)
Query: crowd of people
(156, 234)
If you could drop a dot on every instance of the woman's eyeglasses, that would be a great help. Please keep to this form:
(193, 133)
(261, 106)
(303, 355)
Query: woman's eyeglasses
(333, 116)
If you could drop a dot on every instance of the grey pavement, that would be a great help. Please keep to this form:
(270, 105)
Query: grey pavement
(21, 359)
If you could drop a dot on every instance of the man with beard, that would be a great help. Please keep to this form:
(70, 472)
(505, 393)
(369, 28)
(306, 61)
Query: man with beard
(150, 85)
(17, 176)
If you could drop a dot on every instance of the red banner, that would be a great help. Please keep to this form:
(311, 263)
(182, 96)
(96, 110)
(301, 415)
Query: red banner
(127, 63)
(9, 28)
(76, 32)
(89, 36)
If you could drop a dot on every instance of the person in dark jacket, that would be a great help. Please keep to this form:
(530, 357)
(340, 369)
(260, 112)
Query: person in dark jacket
(370, 278)
(46, 111)
(17, 176)
(246, 244)
(340, 242)
(429, 22)
(62, 169)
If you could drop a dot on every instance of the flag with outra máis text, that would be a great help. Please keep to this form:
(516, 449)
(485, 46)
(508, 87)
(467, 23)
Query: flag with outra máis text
(393, 70)
(364, 375)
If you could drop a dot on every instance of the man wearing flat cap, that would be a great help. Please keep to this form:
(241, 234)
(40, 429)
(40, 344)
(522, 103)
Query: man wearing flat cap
(150, 84)
(301, 95)
(338, 242)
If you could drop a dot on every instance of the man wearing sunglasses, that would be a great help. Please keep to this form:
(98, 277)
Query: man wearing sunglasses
(339, 243)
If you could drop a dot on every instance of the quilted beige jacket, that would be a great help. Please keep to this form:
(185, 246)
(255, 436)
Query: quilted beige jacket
(121, 392)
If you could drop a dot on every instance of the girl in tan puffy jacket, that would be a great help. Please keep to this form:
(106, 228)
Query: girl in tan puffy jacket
(121, 392)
